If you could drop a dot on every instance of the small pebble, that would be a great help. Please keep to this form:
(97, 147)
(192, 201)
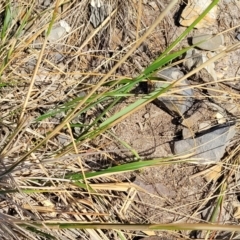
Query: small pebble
(219, 75)
(146, 115)
(153, 5)
(238, 37)
(220, 118)
(225, 68)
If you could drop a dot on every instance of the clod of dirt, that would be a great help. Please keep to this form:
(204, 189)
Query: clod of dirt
(192, 11)
(211, 43)
(206, 148)
(177, 104)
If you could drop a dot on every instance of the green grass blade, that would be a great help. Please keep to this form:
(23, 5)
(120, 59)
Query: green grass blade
(71, 104)
(143, 100)
(107, 123)
(7, 20)
(24, 22)
(54, 16)
(189, 29)
(40, 233)
(121, 235)
(161, 62)
(135, 227)
(217, 207)
(123, 168)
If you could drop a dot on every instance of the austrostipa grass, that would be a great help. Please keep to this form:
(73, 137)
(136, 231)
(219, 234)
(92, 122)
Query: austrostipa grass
(58, 99)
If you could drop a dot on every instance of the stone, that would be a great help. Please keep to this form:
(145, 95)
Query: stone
(153, 5)
(204, 126)
(194, 58)
(46, 3)
(232, 108)
(63, 139)
(58, 31)
(238, 36)
(220, 75)
(58, 57)
(220, 118)
(65, 25)
(179, 103)
(187, 133)
(208, 42)
(206, 147)
(192, 11)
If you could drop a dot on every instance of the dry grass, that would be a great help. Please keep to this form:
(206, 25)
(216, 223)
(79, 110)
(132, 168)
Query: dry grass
(38, 198)
(37, 76)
